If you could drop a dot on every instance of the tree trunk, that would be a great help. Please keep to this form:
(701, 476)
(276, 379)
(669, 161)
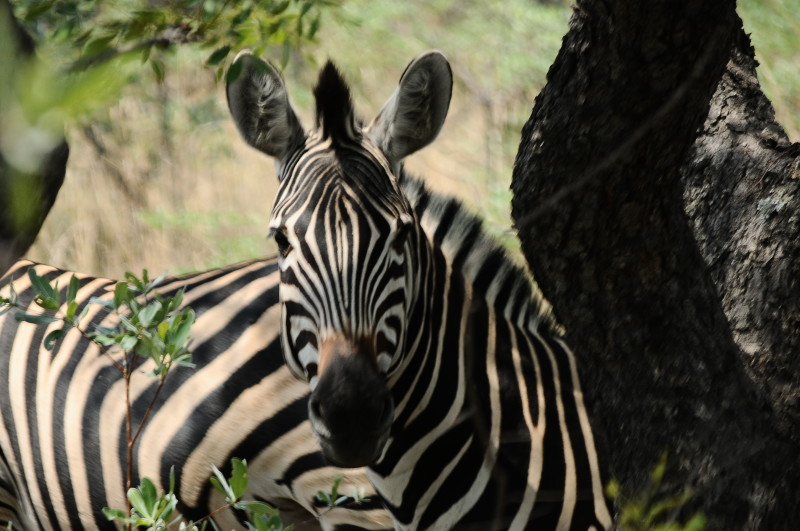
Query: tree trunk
(599, 205)
(26, 195)
(742, 192)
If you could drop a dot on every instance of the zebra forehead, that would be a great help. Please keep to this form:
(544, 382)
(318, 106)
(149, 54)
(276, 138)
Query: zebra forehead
(353, 178)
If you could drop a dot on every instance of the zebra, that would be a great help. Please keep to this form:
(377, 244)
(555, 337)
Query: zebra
(62, 433)
(432, 359)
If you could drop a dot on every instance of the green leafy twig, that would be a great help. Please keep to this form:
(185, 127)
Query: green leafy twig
(650, 511)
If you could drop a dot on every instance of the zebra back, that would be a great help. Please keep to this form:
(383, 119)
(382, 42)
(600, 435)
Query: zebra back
(62, 412)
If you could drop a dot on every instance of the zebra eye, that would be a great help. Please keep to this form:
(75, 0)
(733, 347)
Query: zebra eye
(284, 247)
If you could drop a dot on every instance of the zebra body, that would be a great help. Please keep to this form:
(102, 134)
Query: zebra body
(432, 359)
(62, 432)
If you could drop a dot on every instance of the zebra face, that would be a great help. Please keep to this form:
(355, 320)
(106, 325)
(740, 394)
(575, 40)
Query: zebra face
(346, 236)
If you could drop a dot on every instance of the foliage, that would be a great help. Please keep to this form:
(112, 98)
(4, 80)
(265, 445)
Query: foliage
(150, 325)
(334, 498)
(149, 508)
(89, 50)
(91, 31)
(261, 516)
(152, 509)
(152, 328)
(650, 511)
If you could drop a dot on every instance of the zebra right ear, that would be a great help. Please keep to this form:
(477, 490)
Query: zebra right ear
(259, 105)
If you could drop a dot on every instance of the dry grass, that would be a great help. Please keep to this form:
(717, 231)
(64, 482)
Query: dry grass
(200, 198)
(205, 196)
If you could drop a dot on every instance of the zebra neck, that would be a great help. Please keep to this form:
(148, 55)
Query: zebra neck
(458, 246)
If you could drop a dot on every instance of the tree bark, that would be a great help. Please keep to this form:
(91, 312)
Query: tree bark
(26, 195)
(599, 206)
(742, 192)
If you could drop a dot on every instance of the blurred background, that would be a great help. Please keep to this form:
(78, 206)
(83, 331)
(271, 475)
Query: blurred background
(160, 179)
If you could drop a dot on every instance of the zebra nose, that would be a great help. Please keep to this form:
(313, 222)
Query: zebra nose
(351, 412)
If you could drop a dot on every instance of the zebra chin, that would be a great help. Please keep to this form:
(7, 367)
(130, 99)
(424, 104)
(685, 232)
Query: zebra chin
(351, 412)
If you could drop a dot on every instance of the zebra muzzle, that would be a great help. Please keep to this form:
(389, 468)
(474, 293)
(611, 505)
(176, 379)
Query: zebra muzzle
(351, 411)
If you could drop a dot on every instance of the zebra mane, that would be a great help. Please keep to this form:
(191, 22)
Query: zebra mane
(335, 114)
(466, 230)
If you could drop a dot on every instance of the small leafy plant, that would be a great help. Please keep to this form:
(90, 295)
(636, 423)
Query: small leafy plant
(650, 511)
(152, 328)
(334, 498)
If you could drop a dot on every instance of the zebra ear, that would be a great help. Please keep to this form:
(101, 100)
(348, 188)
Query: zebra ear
(259, 105)
(414, 115)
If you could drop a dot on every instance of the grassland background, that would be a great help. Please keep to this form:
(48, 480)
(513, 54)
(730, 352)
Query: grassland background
(198, 197)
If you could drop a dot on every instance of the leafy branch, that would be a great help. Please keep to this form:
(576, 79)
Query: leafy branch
(96, 32)
(90, 49)
(152, 328)
(651, 511)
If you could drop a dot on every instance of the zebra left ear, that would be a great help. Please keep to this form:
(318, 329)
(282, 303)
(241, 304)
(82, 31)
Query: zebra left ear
(415, 113)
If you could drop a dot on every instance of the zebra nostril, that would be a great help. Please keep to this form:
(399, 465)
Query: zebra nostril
(387, 411)
(316, 407)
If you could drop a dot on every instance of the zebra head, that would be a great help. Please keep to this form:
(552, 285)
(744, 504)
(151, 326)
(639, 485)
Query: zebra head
(347, 238)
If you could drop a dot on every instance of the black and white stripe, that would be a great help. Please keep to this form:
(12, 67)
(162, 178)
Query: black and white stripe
(62, 432)
(431, 357)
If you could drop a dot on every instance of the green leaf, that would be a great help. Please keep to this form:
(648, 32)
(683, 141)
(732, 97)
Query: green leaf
(658, 471)
(137, 501)
(34, 319)
(186, 320)
(52, 337)
(218, 55)
(149, 311)
(233, 72)
(243, 15)
(134, 281)
(307, 5)
(102, 339)
(146, 53)
(279, 8)
(256, 507)
(72, 307)
(114, 514)
(101, 302)
(698, 522)
(72, 290)
(238, 477)
(612, 489)
(158, 69)
(150, 494)
(48, 297)
(84, 313)
(98, 45)
(121, 294)
(128, 325)
(72, 293)
(150, 286)
(221, 484)
(176, 300)
(128, 343)
(313, 28)
(38, 9)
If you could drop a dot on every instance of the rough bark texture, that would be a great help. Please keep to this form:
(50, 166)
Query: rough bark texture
(25, 196)
(598, 202)
(742, 192)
